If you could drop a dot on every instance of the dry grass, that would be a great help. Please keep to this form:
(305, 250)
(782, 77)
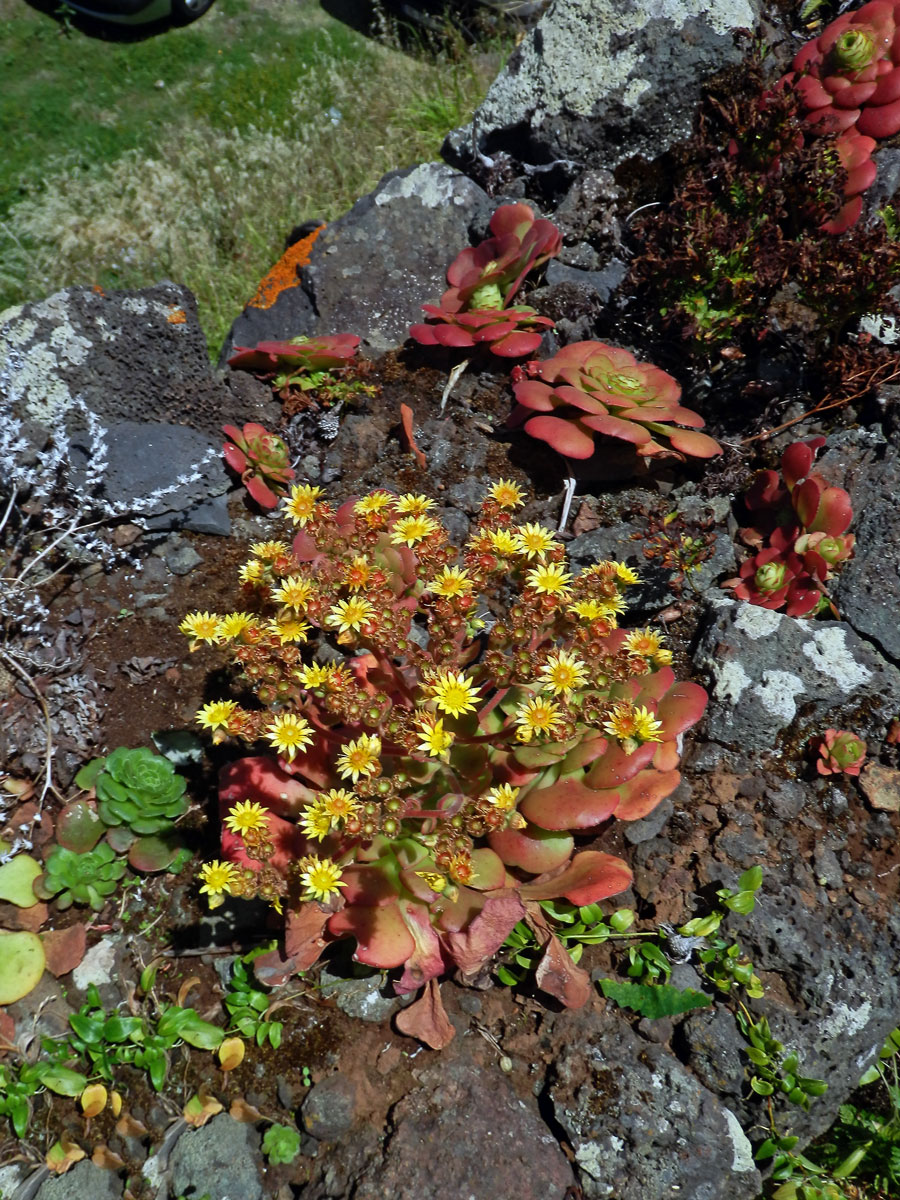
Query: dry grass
(209, 206)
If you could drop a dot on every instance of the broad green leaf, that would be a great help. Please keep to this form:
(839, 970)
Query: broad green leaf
(653, 1000)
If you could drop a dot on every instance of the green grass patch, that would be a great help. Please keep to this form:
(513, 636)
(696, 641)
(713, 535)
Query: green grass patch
(189, 153)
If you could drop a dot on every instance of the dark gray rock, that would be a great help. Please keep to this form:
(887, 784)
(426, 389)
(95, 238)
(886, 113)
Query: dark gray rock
(772, 674)
(601, 81)
(464, 1133)
(116, 391)
(84, 1181)
(220, 1159)
(367, 999)
(867, 590)
(373, 269)
(329, 1110)
(640, 1123)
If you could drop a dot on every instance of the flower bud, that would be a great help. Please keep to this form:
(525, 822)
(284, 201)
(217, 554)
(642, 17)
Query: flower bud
(853, 50)
(770, 576)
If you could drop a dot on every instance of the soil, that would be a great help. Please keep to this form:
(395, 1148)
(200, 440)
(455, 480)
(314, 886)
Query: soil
(121, 627)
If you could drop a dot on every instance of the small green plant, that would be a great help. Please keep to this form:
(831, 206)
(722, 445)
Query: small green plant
(107, 1040)
(20, 1083)
(247, 1003)
(281, 1144)
(773, 1070)
(138, 789)
(86, 878)
(574, 926)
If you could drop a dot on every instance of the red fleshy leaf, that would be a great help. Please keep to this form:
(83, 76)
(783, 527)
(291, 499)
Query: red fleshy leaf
(532, 849)
(666, 757)
(260, 491)
(693, 443)
(423, 334)
(303, 940)
(615, 427)
(568, 804)
(64, 948)
(78, 827)
(471, 947)
(617, 766)
(409, 438)
(589, 877)
(682, 706)
(560, 977)
(427, 960)
(452, 335)
(382, 936)
(566, 437)
(426, 1020)
(488, 871)
(639, 796)
(259, 777)
(880, 121)
(516, 344)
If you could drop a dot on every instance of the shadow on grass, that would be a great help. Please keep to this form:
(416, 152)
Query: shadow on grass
(70, 22)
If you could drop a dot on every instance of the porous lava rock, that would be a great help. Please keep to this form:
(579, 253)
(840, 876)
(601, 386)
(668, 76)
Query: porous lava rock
(372, 270)
(597, 82)
(134, 366)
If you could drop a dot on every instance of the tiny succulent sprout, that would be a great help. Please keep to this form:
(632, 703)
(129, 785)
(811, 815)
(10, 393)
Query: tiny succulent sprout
(477, 308)
(798, 532)
(839, 753)
(261, 459)
(589, 388)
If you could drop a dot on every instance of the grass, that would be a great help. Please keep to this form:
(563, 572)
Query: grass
(189, 153)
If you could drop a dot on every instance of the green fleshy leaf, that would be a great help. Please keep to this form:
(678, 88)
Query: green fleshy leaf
(653, 1000)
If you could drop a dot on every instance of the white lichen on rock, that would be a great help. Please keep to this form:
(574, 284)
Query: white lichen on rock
(776, 691)
(829, 655)
(432, 184)
(757, 622)
(743, 1150)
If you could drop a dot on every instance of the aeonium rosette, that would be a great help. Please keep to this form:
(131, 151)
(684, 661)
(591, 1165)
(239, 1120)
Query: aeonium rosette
(477, 308)
(589, 388)
(429, 768)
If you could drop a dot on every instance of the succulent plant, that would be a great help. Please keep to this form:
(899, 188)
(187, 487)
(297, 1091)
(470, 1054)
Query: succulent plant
(423, 795)
(589, 388)
(848, 79)
(262, 460)
(477, 307)
(798, 532)
(80, 878)
(840, 753)
(140, 790)
(297, 356)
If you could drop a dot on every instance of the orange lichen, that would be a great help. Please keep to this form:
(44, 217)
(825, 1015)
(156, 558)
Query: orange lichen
(285, 273)
(176, 317)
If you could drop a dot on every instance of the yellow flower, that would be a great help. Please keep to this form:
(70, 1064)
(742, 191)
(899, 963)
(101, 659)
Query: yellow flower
(663, 657)
(289, 629)
(537, 716)
(252, 571)
(216, 715)
(626, 574)
(294, 592)
(452, 581)
(410, 530)
(534, 540)
(415, 506)
(357, 573)
(552, 579)
(502, 797)
(247, 814)
(373, 503)
(316, 821)
(218, 878)
(315, 675)
(503, 542)
(302, 503)
(507, 494)
(436, 741)
(338, 803)
(632, 726)
(643, 642)
(321, 878)
(360, 757)
(350, 614)
(436, 882)
(454, 693)
(289, 733)
(200, 627)
(563, 673)
(269, 550)
(234, 624)
(591, 610)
